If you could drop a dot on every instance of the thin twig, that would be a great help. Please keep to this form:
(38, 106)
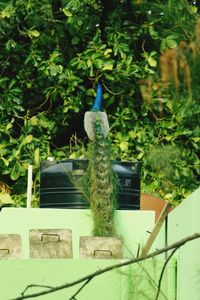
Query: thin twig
(151, 280)
(35, 285)
(73, 297)
(110, 268)
(162, 272)
(115, 94)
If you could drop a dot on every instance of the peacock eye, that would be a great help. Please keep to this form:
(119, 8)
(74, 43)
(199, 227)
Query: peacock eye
(100, 151)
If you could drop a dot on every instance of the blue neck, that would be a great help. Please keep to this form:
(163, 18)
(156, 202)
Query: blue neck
(97, 106)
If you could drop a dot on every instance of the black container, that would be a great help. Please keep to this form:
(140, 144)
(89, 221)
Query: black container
(61, 184)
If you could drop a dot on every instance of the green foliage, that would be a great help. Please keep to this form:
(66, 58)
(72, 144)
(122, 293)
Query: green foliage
(52, 55)
(5, 198)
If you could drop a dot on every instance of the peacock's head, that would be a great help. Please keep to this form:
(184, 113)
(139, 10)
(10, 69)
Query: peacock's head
(91, 116)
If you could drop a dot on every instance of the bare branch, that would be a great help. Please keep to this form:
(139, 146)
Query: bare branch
(151, 280)
(110, 268)
(162, 272)
(73, 297)
(35, 285)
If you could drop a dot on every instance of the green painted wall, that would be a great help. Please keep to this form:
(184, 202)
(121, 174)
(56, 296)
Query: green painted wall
(130, 283)
(183, 221)
(131, 225)
(18, 274)
(125, 284)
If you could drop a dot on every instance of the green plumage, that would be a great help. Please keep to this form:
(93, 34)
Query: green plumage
(102, 183)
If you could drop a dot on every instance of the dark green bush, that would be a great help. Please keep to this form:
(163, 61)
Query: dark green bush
(52, 54)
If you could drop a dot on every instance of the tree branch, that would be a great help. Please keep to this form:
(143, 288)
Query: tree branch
(73, 297)
(110, 268)
(162, 272)
(35, 285)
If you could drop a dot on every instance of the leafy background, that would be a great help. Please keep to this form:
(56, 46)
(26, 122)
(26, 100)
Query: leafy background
(146, 54)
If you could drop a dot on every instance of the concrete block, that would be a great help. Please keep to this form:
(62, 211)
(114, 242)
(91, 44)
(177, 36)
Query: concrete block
(101, 247)
(50, 243)
(10, 246)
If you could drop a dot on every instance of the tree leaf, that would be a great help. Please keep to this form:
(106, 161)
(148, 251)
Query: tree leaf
(6, 162)
(15, 172)
(37, 156)
(132, 134)
(123, 146)
(152, 62)
(5, 14)
(171, 43)
(28, 139)
(140, 155)
(33, 33)
(67, 12)
(107, 52)
(108, 66)
(5, 199)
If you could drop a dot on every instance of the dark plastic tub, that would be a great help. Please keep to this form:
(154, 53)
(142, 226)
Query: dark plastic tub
(61, 187)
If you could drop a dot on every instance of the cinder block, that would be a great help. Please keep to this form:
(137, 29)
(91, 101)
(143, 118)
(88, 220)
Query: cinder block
(10, 246)
(50, 243)
(101, 247)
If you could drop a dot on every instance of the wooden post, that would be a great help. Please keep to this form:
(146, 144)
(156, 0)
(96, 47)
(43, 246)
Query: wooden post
(156, 229)
(29, 186)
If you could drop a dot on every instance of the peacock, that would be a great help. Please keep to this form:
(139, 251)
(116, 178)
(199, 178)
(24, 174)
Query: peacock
(102, 183)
